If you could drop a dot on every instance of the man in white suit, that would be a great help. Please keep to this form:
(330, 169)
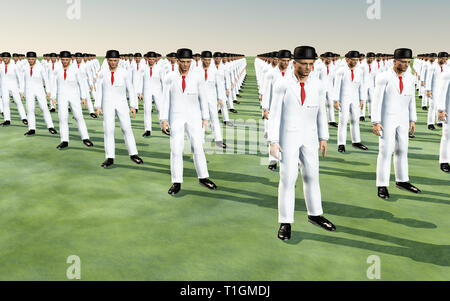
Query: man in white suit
(349, 99)
(443, 108)
(297, 122)
(110, 100)
(434, 72)
(35, 77)
(185, 108)
(393, 117)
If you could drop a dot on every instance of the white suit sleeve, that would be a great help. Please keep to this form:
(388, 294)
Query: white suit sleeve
(131, 92)
(98, 95)
(274, 122)
(165, 103)
(443, 85)
(337, 86)
(377, 102)
(266, 91)
(322, 120)
(203, 98)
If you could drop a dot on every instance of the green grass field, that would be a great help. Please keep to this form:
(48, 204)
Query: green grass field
(124, 226)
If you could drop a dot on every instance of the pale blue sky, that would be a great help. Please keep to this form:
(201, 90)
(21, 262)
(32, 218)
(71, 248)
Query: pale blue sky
(245, 26)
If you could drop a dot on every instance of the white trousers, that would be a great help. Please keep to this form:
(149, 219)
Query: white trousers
(214, 120)
(224, 110)
(330, 106)
(367, 103)
(122, 111)
(16, 97)
(309, 167)
(445, 143)
(148, 104)
(31, 96)
(266, 125)
(349, 111)
(63, 114)
(194, 130)
(394, 140)
(432, 111)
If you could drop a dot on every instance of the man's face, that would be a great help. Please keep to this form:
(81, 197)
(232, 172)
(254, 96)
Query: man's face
(217, 60)
(275, 61)
(432, 59)
(303, 67)
(53, 59)
(196, 58)
(442, 60)
(224, 60)
(138, 60)
(352, 62)
(284, 63)
(184, 65)
(32, 61)
(370, 60)
(66, 62)
(16, 59)
(361, 59)
(173, 60)
(327, 60)
(6, 60)
(112, 63)
(79, 59)
(401, 64)
(151, 61)
(206, 62)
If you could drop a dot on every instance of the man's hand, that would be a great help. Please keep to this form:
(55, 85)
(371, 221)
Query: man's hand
(205, 125)
(48, 96)
(83, 101)
(361, 104)
(266, 114)
(228, 92)
(22, 95)
(337, 105)
(165, 127)
(99, 113)
(260, 97)
(323, 147)
(412, 127)
(274, 149)
(91, 87)
(133, 111)
(140, 96)
(429, 94)
(442, 115)
(422, 84)
(377, 128)
(53, 102)
(220, 102)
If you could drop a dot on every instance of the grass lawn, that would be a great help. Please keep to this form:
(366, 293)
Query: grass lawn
(124, 226)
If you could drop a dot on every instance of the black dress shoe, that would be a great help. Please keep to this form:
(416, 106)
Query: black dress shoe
(383, 192)
(233, 111)
(221, 144)
(88, 143)
(420, 96)
(408, 186)
(439, 125)
(62, 145)
(108, 162)
(220, 111)
(228, 123)
(147, 134)
(333, 124)
(273, 165)
(136, 159)
(236, 102)
(24, 121)
(431, 127)
(411, 136)
(284, 233)
(425, 108)
(53, 110)
(360, 146)
(174, 189)
(321, 222)
(6, 123)
(370, 117)
(341, 148)
(30, 132)
(207, 183)
(137, 111)
(445, 167)
(362, 118)
(93, 115)
(168, 134)
(52, 131)
(70, 110)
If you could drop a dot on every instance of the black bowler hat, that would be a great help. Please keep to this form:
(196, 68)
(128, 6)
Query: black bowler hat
(370, 54)
(15, 55)
(217, 54)
(53, 54)
(403, 53)
(137, 54)
(31, 54)
(65, 54)
(172, 54)
(112, 54)
(305, 53)
(206, 54)
(151, 54)
(184, 53)
(433, 55)
(353, 54)
(443, 54)
(78, 54)
(328, 54)
(284, 54)
(196, 55)
(6, 54)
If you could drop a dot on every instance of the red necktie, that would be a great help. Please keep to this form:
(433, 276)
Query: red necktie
(378, 65)
(53, 67)
(303, 93)
(112, 78)
(151, 71)
(217, 67)
(196, 64)
(328, 70)
(313, 68)
(282, 73)
(6, 69)
(78, 66)
(173, 67)
(206, 74)
(442, 69)
(401, 84)
(31, 72)
(353, 75)
(370, 69)
(65, 74)
(183, 85)
(137, 67)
